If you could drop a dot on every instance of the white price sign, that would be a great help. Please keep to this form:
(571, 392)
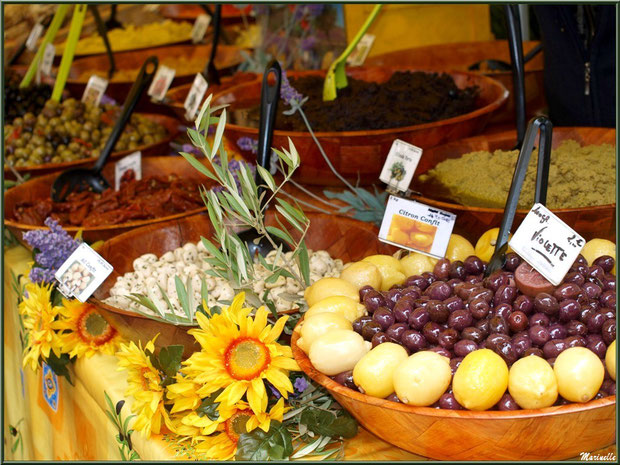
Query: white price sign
(194, 96)
(161, 82)
(547, 243)
(200, 28)
(33, 37)
(400, 165)
(48, 59)
(82, 273)
(95, 88)
(418, 227)
(362, 49)
(132, 162)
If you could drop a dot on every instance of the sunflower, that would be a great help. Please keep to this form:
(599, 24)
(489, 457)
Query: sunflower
(88, 332)
(38, 317)
(145, 385)
(238, 353)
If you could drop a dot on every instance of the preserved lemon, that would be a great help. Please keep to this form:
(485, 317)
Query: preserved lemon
(597, 248)
(417, 263)
(328, 287)
(459, 248)
(610, 360)
(579, 373)
(344, 306)
(485, 247)
(390, 268)
(374, 373)
(481, 380)
(319, 324)
(362, 274)
(337, 351)
(422, 378)
(532, 383)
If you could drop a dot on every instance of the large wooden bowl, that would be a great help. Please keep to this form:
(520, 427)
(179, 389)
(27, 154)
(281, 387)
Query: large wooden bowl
(227, 59)
(39, 188)
(459, 56)
(361, 154)
(590, 222)
(175, 97)
(170, 124)
(342, 237)
(552, 433)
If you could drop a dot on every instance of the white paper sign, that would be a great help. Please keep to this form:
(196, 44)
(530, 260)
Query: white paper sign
(418, 227)
(82, 273)
(362, 49)
(48, 59)
(400, 165)
(95, 88)
(194, 96)
(200, 28)
(547, 243)
(33, 37)
(161, 82)
(132, 162)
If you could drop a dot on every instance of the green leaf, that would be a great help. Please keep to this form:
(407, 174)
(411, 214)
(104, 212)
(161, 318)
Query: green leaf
(59, 365)
(170, 359)
(209, 407)
(280, 234)
(217, 139)
(304, 262)
(204, 292)
(275, 444)
(274, 277)
(267, 177)
(327, 424)
(197, 165)
(298, 214)
(289, 218)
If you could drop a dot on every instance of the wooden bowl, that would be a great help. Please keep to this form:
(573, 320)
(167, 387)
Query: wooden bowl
(459, 56)
(175, 97)
(590, 222)
(157, 148)
(552, 433)
(327, 232)
(189, 12)
(196, 56)
(39, 188)
(362, 153)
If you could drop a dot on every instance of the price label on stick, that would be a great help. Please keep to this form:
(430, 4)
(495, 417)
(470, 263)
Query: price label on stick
(95, 88)
(33, 37)
(161, 82)
(82, 273)
(547, 243)
(200, 28)
(194, 96)
(132, 162)
(400, 165)
(362, 49)
(48, 59)
(415, 226)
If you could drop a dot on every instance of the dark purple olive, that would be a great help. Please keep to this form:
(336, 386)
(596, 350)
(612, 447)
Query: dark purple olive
(464, 290)
(507, 403)
(418, 281)
(569, 310)
(439, 290)
(473, 265)
(453, 283)
(413, 340)
(496, 280)
(431, 332)
(402, 310)
(539, 335)
(546, 304)
(591, 290)
(505, 294)
(609, 313)
(454, 303)
(430, 277)
(596, 271)
(393, 398)
(609, 282)
(421, 301)
(346, 379)
(566, 291)
(517, 321)
(448, 337)
(482, 293)
(612, 390)
(455, 363)
(533, 351)
(442, 269)
(521, 342)
(580, 260)
(472, 334)
(463, 347)
(606, 386)
(552, 349)
(597, 346)
(557, 331)
(608, 299)
(438, 311)
(479, 308)
(448, 401)
(392, 296)
(370, 329)
(512, 261)
(523, 304)
(608, 331)
(412, 291)
(586, 313)
(493, 339)
(395, 332)
(576, 328)
(418, 318)
(575, 341)
(460, 319)
(605, 262)
(457, 270)
(582, 270)
(574, 277)
(443, 351)
(498, 325)
(595, 322)
(365, 290)
(539, 319)
(506, 350)
(379, 338)
(474, 278)
(483, 326)
(384, 317)
(360, 322)
(373, 300)
(504, 310)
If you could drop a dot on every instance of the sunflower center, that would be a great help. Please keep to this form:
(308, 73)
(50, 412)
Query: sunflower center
(94, 329)
(246, 358)
(235, 425)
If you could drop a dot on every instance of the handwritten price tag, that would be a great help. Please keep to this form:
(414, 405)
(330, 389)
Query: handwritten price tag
(200, 28)
(48, 59)
(132, 162)
(362, 49)
(194, 96)
(82, 273)
(400, 165)
(547, 243)
(33, 37)
(95, 88)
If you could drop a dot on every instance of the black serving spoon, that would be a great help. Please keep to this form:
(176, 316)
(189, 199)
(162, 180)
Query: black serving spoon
(210, 71)
(112, 23)
(268, 108)
(518, 74)
(103, 32)
(80, 179)
(500, 65)
(542, 176)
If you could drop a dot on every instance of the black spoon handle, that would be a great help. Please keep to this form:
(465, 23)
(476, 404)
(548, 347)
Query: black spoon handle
(210, 71)
(144, 79)
(516, 58)
(103, 32)
(269, 97)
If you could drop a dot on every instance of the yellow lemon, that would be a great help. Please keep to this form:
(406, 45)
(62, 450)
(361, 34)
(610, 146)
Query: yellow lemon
(374, 373)
(417, 263)
(337, 351)
(481, 380)
(597, 248)
(485, 247)
(422, 378)
(532, 383)
(579, 373)
(327, 287)
(390, 268)
(362, 274)
(345, 306)
(459, 248)
(317, 325)
(610, 360)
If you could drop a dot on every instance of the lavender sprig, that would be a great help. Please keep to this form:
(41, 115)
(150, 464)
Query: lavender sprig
(247, 144)
(288, 93)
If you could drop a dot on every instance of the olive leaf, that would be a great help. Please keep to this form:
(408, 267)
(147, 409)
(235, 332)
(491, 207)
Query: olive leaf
(275, 444)
(326, 423)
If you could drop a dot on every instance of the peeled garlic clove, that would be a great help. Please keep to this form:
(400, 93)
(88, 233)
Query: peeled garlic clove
(319, 324)
(168, 257)
(337, 351)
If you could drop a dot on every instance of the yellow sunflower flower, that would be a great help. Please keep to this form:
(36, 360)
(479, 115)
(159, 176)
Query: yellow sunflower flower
(238, 353)
(145, 386)
(89, 332)
(38, 317)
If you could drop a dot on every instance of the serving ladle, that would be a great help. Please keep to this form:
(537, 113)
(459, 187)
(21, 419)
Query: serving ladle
(210, 71)
(79, 179)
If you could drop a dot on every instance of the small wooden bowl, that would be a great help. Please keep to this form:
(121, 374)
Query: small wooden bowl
(39, 189)
(157, 148)
(552, 433)
(591, 222)
(459, 56)
(362, 153)
(342, 237)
